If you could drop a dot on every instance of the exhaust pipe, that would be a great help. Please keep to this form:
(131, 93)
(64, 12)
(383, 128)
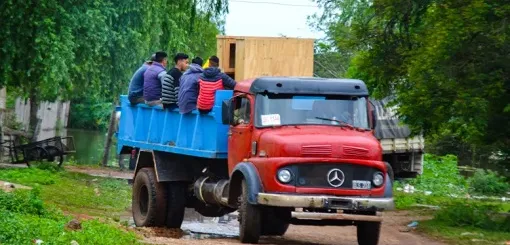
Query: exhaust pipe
(211, 192)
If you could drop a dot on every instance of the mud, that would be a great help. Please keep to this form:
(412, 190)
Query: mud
(202, 230)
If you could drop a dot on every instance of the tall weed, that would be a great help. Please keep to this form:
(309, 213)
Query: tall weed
(462, 213)
(487, 182)
(440, 177)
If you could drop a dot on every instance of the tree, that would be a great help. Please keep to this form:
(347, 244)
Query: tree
(445, 60)
(328, 62)
(73, 49)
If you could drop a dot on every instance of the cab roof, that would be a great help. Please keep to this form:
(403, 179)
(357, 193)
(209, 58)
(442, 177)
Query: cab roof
(303, 85)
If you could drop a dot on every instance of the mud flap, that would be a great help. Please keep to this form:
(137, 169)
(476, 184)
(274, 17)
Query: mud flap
(169, 168)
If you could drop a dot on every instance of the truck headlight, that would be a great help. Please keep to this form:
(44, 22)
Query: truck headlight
(284, 175)
(378, 179)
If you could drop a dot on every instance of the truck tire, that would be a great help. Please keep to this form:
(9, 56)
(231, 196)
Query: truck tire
(149, 199)
(275, 221)
(249, 218)
(368, 232)
(177, 195)
(390, 171)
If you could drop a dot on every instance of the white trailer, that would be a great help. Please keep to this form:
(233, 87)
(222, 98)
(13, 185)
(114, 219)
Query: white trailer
(403, 151)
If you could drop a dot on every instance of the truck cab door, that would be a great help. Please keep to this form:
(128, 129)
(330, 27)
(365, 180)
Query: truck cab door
(240, 133)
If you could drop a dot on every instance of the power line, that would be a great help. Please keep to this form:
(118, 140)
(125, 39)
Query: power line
(328, 70)
(282, 4)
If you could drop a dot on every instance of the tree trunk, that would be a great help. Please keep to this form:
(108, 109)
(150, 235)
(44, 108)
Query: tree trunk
(34, 107)
(108, 142)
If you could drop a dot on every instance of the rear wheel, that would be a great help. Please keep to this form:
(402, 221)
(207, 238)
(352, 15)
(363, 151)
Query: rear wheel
(249, 218)
(55, 155)
(275, 221)
(177, 195)
(149, 202)
(368, 233)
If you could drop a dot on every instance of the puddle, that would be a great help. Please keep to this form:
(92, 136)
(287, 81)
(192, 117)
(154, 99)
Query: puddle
(195, 226)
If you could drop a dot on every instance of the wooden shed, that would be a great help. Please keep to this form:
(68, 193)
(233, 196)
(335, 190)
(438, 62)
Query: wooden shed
(250, 57)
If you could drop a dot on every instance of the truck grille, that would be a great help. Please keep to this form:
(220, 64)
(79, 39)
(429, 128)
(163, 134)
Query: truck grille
(316, 150)
(316, 175)
(355, 152)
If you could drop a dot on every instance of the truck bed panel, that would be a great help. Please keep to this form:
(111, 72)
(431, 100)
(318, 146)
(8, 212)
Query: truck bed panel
(158, 129)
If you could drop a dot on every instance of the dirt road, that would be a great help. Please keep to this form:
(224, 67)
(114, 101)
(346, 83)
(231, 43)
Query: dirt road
(394, 232)
(202, 231)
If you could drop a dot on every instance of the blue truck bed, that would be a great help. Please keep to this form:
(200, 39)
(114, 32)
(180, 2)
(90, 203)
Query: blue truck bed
(158, 129)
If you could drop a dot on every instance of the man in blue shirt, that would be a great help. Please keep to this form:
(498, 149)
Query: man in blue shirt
(188, 89)
(135, 94)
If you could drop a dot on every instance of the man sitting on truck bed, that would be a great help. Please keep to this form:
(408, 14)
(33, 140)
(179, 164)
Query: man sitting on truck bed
(135, 91)
(188, 89)
(152, 79)
(170, 83)
(212, 79)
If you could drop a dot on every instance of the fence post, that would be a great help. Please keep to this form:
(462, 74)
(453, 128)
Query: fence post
(108, 142)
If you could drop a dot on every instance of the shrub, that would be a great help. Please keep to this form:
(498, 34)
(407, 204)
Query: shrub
(462, 213)
(487, 182)
(23, 218)
(440, 176)
(22, 201)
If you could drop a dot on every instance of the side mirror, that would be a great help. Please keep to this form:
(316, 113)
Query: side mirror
(226, 114)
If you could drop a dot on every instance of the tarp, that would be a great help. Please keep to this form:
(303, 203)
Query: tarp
(388, 126)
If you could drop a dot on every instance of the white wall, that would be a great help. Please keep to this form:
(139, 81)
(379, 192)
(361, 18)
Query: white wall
(49, 112)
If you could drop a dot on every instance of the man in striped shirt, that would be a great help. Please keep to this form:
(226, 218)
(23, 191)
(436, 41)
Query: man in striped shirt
(170, 83)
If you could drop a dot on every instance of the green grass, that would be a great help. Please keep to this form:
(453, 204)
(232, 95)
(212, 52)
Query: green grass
(24, 218)
(458, 235)
(27, 215)
(75, 192)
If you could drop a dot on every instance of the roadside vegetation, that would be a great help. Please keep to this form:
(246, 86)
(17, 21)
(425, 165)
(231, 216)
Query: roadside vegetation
(464, 211)
(74, 192)
(56, 198)
(25, 218)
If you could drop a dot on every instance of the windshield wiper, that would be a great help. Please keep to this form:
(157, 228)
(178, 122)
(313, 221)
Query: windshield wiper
(341, 123)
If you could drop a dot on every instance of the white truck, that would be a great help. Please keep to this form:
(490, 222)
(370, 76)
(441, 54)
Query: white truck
(403, 151)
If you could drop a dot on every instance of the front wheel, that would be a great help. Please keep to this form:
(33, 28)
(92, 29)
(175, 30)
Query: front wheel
(149, 199)
(249, 218)
(275, 221)
(368, 232)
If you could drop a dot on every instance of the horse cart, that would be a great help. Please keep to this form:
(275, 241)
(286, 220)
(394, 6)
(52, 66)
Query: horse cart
(52, 149)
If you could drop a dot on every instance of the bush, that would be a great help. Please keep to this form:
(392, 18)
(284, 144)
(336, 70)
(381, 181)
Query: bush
(21, 201)
(440, 176)
(23, 218)
(487, 182)
(461, 213)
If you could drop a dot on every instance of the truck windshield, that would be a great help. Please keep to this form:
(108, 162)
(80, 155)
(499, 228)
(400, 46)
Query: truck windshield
(284, 109)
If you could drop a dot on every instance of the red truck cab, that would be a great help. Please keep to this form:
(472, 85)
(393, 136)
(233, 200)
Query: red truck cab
(307, 145)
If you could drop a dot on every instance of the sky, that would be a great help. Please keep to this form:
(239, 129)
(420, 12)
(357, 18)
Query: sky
(271, 18)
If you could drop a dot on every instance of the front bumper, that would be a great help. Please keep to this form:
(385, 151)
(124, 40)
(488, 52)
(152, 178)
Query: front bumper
(329, 202)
